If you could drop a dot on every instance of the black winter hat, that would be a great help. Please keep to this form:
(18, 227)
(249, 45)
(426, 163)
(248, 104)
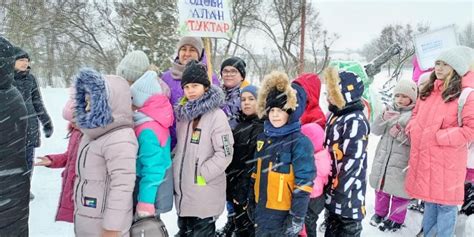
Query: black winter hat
(235, 62)
(278, 99)
(195, 72)
(20, 53)
(7, 62)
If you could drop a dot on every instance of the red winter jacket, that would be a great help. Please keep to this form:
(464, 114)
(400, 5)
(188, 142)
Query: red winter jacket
(67, 160)
(312, 86)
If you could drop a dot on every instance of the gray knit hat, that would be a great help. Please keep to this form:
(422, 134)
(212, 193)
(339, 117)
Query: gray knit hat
(408, 88)
(145, 87)
(133, 65)
(458, 57)
(196, 42)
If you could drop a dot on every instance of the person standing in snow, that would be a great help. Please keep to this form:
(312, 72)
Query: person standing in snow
(153, 116)
(311, 84)
(283, 171)
(391, 158)
(438, 155)
(14, 181)
(105, 166)
(188, 48)
(66, 160)
(203, 152)
(347, 134)
(26, 83)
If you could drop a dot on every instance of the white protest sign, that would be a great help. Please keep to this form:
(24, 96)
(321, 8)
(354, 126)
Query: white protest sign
(205, 18)
(430, 44)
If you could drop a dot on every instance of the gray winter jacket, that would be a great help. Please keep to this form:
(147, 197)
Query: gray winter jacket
(202, 155)
(105, 165)
(390, 162)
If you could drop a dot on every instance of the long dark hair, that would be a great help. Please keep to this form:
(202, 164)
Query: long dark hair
(451, 90)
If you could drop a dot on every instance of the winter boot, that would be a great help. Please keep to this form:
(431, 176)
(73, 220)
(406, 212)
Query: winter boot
(228, 229)
(376, 220)
(417, 205)
(390, 226)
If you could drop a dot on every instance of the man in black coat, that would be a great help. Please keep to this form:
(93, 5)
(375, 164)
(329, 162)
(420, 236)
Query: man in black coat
(26, 83)
(14, 180)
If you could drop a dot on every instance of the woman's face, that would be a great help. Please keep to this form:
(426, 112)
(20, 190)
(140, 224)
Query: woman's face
(186, 53)
(248, 103)
(442, 70)
(231, 77)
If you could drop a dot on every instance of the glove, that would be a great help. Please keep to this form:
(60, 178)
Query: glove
(395, 130)
(145, 209)
(293, 225)
(390, 115)
(48, 129)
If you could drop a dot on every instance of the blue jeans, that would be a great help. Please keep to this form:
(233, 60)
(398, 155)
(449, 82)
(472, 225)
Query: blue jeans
(439, 220)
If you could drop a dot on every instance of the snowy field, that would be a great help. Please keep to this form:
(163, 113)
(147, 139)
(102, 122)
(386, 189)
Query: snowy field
(47, 182)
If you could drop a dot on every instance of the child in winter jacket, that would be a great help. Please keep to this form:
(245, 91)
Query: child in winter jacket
(322, 162)
(66, 160)
(438, 154)
(153, 117)
(282, 177)
(203, 152)
(105, 166)
(391, 158)
(239, 170)
(347, 133)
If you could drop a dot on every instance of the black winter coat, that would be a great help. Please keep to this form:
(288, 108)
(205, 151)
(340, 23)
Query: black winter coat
(14, 179)
(28, 86)
(239, 170)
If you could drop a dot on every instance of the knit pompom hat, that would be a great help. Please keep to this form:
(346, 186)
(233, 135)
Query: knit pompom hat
(133, 65)
(458, 57)
(145, 87)
(408, 88)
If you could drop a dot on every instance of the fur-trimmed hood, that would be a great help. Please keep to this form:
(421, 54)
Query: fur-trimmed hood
(343, 87)
(110, 102)
(188, 110)
(280, 82)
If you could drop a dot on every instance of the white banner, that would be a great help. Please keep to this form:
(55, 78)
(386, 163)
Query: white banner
(430, 44)
(205, 18)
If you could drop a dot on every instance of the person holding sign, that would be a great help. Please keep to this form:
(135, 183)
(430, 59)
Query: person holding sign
(188, 48)
(438, 155)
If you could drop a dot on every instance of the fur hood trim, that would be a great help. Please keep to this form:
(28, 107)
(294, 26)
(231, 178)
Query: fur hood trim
(211, 100)
(331, 76)
(281, 82)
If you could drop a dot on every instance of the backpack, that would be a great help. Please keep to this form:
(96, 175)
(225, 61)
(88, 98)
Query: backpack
(470, 146)
(148, 227)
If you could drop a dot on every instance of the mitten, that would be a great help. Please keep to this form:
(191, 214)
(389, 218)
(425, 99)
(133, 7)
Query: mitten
(48, 129)
(293, 225)
(145, 209)
(390, 115)
(395, 130)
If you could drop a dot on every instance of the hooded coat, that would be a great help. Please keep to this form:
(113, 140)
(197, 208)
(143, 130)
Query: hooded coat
(154, 171)
(312, 86)
(105, 167)
(283, 173)
(27, 84)
(438, 155)
(14, 177)
(203, 152)
(347, 137)
(391, 157)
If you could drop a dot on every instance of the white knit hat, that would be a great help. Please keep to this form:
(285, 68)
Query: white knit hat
(133, 65)
(145, 87)
(408, 88)
(458, 57)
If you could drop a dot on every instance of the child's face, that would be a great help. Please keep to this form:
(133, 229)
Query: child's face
(248, 103)
(402, 100)
(193, 91)
(278, 117)
(442, 70)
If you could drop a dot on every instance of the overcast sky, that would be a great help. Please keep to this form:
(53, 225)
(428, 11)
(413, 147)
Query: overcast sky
(359, 21)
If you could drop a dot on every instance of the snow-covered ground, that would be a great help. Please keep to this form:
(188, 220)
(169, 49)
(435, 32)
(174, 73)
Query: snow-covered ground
(47, 182)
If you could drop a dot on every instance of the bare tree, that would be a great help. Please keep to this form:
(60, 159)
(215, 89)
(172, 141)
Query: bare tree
(466, 37)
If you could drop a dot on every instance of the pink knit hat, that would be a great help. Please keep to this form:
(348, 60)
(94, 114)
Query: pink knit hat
(68, 110)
